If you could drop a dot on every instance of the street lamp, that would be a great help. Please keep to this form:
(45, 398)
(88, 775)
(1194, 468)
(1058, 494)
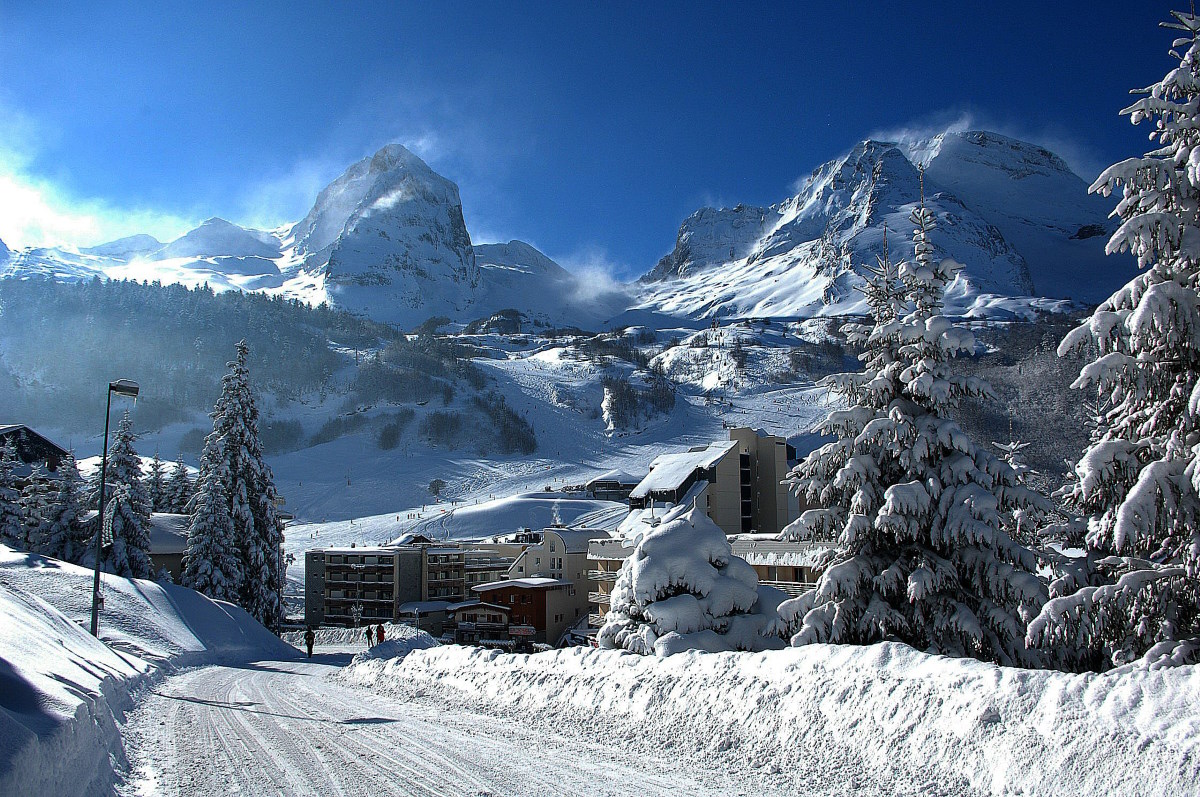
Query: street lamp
(122, 387)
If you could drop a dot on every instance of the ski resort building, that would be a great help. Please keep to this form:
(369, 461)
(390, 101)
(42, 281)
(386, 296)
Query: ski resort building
(378, 581)
(31, 448)
(421, 581)
(615, 485)
(738, 482)
(791, 566)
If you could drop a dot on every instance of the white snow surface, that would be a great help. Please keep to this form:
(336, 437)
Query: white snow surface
(836, 720)
(62, 692)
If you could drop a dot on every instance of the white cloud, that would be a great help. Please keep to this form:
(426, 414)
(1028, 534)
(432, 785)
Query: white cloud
(36, 211)
(595, 272)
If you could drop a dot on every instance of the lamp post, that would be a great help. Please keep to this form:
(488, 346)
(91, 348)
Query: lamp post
(122, 387)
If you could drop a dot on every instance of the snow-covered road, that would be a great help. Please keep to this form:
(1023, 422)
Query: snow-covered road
(277, 727)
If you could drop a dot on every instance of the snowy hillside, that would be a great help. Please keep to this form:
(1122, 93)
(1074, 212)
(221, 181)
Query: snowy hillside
(61, 690)
(1013, 214)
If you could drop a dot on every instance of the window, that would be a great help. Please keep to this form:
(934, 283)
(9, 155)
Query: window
(551, 545)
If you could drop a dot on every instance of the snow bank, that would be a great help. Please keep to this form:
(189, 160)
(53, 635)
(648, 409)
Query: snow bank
(883, 719)
(352, 636)
(62, 692)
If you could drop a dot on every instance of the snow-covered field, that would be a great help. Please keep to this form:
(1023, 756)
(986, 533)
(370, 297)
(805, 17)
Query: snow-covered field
(828, 719)
(63, 693)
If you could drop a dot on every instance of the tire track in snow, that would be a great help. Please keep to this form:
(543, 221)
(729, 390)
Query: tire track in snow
(284, 727)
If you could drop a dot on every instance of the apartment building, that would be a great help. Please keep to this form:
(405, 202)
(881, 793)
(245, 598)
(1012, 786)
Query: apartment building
(375, 582)
(737, 482)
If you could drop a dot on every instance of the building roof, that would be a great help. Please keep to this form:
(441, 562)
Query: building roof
(457, 607)
(617, 476)
(169, 533)
(533, 582)
(775, 552)
(412, 607)
(671, 471)
(576, 540)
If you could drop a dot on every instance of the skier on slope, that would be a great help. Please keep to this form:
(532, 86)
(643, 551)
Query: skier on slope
(310, 639)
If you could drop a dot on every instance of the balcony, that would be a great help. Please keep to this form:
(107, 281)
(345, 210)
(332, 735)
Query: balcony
(793, 588)
(595, 620)
(602, 575)
(598, 598)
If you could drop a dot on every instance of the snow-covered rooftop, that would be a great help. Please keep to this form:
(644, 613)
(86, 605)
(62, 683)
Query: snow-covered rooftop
(168, 533)
(618, 476)
(670, 471)
(532, 582)
(576, 540)
(424, 606)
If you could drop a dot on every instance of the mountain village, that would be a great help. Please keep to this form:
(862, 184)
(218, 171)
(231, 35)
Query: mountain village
(889, 487)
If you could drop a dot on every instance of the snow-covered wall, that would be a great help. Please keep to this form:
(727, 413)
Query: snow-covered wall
(884, 719)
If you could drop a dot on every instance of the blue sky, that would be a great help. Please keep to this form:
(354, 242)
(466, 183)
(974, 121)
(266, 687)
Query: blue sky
(591, 130)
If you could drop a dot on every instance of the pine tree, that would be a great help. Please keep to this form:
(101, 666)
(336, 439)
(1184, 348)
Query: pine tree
(36, 509)
(126, 524)
(233, 455)
(1137, 593)
(127, 533)
(212, 563)
(156, 485)
(922, 555)
(68, 538)
(683, 589)
(12, 525)
(179, 489)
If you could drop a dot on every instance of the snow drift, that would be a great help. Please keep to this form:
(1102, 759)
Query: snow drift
(883, 719)
(62, 692)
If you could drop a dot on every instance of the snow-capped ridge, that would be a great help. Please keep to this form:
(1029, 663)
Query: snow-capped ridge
(129, 246)
(218, 237)
(1013, 213)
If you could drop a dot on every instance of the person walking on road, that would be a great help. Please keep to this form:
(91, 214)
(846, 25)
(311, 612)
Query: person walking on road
(310, 639)
(379, 634)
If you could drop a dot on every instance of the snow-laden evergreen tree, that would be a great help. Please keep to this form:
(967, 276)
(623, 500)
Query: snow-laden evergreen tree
(156, 487)
(683, 589)
(68, 538)
(127, 534)
(179, 489)
(12, 526)
(124, 466)
(1137, 593)
(36, 509)
(212, 563)
(233, 455)
(917, 507)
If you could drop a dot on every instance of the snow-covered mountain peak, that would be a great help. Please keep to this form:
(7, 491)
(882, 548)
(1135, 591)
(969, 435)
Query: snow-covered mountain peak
(129, 246)
(517, 255)
(1013, 213)
(375, 183)
(218, 237)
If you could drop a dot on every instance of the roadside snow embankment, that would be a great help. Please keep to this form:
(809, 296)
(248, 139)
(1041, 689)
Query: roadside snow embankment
(398, 640)
(63, 692)
(884, 719)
